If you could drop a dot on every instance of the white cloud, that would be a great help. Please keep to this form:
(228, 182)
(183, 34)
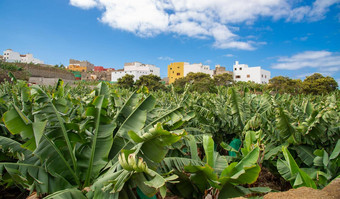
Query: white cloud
(217, 19)
(229, 55)
(320, 7)
(85, 4)
(322, 60)
(165, 58)
(304, 75)
(331, 69)
(303, 38)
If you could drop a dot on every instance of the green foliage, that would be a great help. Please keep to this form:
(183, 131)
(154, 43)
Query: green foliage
(225, 180)
(318, 84)
(224, 79)
(9, 66)
(291, 171)
(281, 84)
(315, 84)
(151, 81)
(322, 167)
(75, 143)
(200, 82)
(126, 81)
(61, 140)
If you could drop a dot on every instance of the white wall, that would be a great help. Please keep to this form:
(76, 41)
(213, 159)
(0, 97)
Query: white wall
(119, 74)
(265, 76)
(195, 68)
(152, 69)
(11, 56)
(244, 73)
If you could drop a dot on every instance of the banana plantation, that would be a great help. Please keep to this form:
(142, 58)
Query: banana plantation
(66, 142)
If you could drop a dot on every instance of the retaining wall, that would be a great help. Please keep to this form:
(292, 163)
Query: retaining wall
(48, 81)
(47, 71)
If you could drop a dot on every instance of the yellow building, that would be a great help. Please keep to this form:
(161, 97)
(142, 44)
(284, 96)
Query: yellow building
(75, 67)
(175, 71)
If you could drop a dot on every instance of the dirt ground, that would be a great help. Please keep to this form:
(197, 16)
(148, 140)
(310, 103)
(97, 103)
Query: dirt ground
(330, 191)
(267, 179)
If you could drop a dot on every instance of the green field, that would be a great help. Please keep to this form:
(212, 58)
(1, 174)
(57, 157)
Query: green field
(108, 142)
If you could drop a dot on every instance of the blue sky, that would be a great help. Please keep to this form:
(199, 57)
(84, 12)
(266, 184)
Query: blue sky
(293, 38)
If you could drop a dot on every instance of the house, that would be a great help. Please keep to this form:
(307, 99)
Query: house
(178, 70)
(12, 56)
(137, 69)
(256, 74)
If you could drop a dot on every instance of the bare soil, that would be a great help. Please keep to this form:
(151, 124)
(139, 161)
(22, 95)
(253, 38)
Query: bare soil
(331, 191)
(12, 192)
(267, 179)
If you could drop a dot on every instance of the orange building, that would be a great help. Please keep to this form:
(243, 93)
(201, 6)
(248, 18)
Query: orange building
(175, 71)
(74, 67)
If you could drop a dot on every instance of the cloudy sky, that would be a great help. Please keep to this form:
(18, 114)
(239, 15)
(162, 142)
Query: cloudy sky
(294, 38)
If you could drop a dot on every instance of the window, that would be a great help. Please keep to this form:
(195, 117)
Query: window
(170, 68)
(248, 76)
(262, 75)
(265, 76)
(240, 68)
(238, 76)
(151, 70)
(178, 74)
(173, 71)
(235, 68)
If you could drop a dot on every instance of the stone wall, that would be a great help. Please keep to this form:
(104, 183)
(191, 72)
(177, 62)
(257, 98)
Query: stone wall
(85, 63)
(48, 81)
(221, 70)
(22, 75)
(47, 71)
(97, 76)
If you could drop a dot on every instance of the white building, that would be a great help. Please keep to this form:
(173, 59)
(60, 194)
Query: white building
(136, 69)
(197, 68)
(137, 66)
(244, 73)
(11, 56)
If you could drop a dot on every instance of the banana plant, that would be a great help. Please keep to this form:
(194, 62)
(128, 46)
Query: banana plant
(72, 152)
(151, 147)
(291, 172)
(217, 176)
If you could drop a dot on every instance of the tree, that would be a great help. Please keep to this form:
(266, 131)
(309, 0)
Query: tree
(283, 84)
(318, 84)
(201, 82)
(151, 81)
(126, 81)
(179, 84)
(224, 79)
(251, 85)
